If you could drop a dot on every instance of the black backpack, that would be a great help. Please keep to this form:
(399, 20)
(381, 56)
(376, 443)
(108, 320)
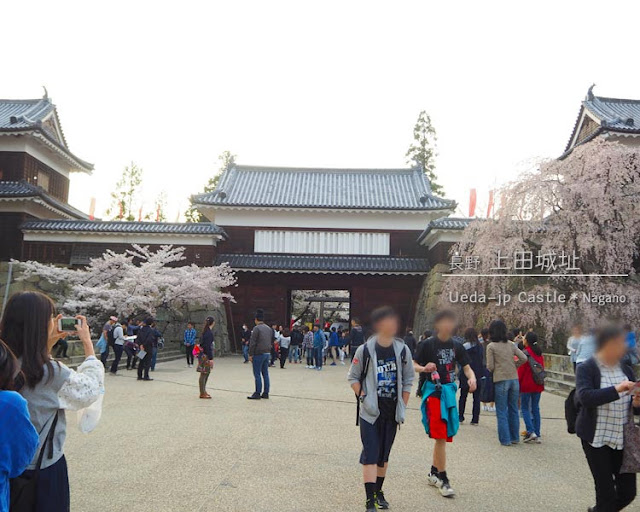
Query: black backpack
(537, 371)
(111, 340)
(571, 410)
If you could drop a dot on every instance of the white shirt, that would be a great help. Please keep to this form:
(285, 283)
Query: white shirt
(612, 416)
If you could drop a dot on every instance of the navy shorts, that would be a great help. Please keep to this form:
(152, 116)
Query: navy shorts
(377, 440)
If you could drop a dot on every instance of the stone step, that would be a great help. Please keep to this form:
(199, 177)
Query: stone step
(558, 386)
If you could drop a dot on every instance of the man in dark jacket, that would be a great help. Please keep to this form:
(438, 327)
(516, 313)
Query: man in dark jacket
(146, 339)
(410, 340)
(260, 354)
(356, 336)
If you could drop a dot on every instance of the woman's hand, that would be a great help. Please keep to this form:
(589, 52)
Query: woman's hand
(54, 333)
(625, 386)
(85, 336)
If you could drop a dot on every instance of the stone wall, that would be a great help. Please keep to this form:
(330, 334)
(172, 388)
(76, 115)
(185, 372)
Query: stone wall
(429, 299)
(171, 325)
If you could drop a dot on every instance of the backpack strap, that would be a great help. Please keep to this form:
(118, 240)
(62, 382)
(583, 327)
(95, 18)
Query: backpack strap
(366, 358)
(48, 442)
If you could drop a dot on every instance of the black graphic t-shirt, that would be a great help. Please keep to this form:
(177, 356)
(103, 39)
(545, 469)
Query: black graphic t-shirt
(387, 378)
(445, 354)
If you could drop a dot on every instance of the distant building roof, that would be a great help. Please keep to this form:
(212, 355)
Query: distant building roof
(20, 190)
(600, 115)
(123, 227)
(39, 118)
(445, 223)
(362, 189)
(325, 264)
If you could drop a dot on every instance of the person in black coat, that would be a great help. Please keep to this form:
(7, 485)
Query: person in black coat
(145, 340)
(205, 357)
(604, 392)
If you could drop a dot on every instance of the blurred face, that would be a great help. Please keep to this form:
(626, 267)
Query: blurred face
(445, 328)
(315, 328)
(387, 327)
(614, 350)
(576, 331)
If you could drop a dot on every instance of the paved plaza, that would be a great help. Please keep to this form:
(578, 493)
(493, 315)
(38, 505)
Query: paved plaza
(160, 448)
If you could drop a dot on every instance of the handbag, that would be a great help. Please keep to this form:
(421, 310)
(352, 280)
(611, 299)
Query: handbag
(631, 452)
(24, 489)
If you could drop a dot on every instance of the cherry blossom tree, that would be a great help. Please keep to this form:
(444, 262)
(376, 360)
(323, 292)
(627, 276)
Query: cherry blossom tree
(586, 205)
(138, 281)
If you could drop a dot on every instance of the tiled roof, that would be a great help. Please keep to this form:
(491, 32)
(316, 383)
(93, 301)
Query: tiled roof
(31, 116)
(325, 264)
(615, 115)
(89, 226)
(281, 187)
(451, 223)
(24, 190)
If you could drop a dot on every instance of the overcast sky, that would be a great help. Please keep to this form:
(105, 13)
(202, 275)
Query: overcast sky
(170, 85)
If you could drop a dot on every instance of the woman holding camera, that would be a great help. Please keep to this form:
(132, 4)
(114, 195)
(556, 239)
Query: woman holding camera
(30, 329)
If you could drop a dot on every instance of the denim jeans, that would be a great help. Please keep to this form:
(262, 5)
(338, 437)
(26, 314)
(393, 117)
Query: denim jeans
(154, 357)
(507, 392)
(530, 405)
(245, 352)
(317, 352)
(260, 371)
(294, 353)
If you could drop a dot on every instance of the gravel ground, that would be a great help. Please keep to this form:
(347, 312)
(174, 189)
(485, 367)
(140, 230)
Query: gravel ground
(160, 448)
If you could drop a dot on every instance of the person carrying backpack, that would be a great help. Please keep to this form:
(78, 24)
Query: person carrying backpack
(381, 375)
(531, 378)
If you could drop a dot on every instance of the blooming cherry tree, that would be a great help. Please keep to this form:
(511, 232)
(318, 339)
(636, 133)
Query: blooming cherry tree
(587, 205)
(137, 281)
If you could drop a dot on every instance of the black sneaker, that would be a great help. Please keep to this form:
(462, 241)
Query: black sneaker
(445, 487)
(255, 396)
(381, 503)
(265, 396)
(371, 506)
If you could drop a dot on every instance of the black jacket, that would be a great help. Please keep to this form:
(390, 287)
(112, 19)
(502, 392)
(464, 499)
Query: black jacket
(146, 338)
(590, 396)
(206, 343)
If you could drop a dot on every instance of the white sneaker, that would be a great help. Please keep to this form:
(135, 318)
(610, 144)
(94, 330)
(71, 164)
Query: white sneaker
(530, 438)
(434, 479)
(445, 489)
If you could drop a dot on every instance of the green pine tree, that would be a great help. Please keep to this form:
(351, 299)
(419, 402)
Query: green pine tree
(127, 190)
(422, 151)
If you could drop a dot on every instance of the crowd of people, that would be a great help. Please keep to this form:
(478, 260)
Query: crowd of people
(500, 368)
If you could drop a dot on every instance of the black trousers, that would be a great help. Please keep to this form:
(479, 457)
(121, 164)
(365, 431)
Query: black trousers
(189, 350)
(284, 353)
(131, 357)
(614, 491)
(143, 367)
(117, 350)
(475, 411)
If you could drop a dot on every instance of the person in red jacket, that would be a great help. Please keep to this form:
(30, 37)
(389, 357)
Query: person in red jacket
(530, 392)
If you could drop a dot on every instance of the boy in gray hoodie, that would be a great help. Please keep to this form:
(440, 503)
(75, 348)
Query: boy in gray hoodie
(381, 375)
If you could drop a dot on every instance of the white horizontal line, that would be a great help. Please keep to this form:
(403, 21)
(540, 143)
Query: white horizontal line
(535, 275)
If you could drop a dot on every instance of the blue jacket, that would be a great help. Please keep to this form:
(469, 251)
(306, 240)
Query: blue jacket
(318, 339)
(18, 441)
(448, 403)
(190, 337)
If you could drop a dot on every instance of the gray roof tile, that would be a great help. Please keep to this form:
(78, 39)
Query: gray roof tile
(451, 223)
(89, 226)
(616, 115)
(22, 189)
(17, 116)
(297, 263)
(375, 189)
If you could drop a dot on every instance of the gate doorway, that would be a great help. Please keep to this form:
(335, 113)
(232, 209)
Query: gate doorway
(329, 308)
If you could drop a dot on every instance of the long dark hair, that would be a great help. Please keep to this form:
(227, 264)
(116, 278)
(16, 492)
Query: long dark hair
(208, 322)
(25, 329)
(532, 342)
(9, 368)
(498, 331)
